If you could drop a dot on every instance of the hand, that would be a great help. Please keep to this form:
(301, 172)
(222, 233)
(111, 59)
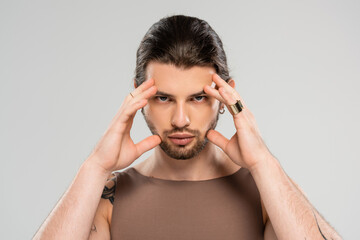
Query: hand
(116, 150)
(246, 148)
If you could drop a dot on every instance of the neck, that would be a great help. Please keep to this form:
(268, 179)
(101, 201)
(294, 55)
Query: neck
(211, 162)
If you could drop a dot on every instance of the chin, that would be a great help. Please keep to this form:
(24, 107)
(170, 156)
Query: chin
(183, 152)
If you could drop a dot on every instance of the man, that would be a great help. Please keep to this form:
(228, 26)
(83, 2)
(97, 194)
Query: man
(197, 184)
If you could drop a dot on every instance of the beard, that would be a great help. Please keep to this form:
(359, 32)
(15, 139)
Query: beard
(182, 152)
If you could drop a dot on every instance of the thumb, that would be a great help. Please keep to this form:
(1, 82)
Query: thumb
(218, 139)
(147, 144)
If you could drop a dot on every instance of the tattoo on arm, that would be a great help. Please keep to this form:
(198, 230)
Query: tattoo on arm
(93, 229)
(318, 226)
(109, 192)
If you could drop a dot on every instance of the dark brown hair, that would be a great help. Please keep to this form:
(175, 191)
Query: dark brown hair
(183, 41)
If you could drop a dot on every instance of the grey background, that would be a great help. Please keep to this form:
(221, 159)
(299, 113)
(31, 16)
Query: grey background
(66, 67)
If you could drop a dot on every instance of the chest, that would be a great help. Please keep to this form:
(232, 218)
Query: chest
(221, 211)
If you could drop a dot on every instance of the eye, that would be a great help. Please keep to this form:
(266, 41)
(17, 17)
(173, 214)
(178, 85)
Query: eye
(200, 98)
(161, 98)
(166, 99)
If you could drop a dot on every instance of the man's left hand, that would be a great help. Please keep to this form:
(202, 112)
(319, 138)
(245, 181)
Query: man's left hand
(246, 147)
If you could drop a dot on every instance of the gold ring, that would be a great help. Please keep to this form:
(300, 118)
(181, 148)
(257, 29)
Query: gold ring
(131, 95)
(236, 108)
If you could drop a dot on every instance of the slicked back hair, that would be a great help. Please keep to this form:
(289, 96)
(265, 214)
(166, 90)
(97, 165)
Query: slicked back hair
(182, 41)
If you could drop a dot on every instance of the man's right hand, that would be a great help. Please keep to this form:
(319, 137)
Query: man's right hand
(116, 150)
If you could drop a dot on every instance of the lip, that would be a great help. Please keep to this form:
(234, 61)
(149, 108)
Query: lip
(182, 135)
(181, 141)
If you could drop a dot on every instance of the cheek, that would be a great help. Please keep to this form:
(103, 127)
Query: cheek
(156, 115)
(215, 105)
(202, 116)
(208, 109)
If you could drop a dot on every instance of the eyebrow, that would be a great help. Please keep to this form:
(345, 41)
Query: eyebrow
(169, 95)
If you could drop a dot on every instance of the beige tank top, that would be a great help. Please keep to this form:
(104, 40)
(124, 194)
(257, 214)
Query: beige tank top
(150, 208)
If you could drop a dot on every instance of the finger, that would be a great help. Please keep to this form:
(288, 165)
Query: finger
(214, 93)
(147, 144)
(145, 94)
(136, 103)
(132, 106)
(218, 139)
(143, 86)
(229, 99)
(222, 83)
(126, 116)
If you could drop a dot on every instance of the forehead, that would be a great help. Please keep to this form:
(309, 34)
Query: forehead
(177, 81)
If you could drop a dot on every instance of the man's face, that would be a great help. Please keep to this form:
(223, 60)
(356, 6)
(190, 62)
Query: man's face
(181, 107)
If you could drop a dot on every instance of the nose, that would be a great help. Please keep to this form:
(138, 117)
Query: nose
(180, 118)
